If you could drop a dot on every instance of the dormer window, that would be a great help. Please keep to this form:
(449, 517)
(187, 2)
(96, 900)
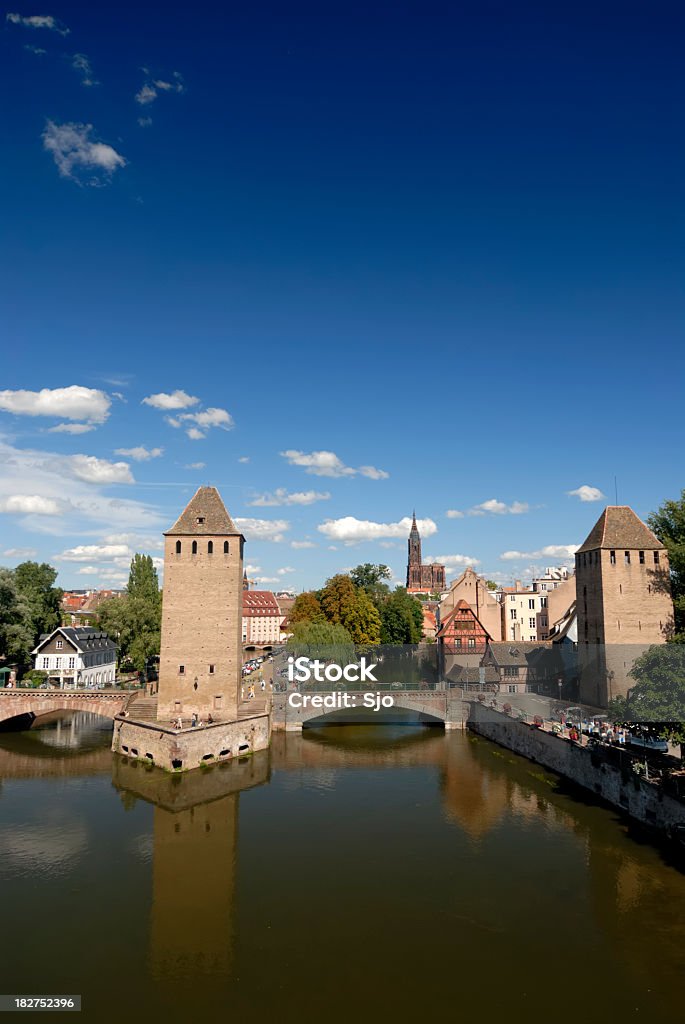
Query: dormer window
(200, 520)
(59, 645)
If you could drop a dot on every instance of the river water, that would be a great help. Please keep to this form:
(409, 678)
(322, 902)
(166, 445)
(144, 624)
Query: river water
(353, 873)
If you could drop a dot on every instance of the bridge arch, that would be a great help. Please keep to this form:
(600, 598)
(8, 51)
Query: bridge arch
(18, 703)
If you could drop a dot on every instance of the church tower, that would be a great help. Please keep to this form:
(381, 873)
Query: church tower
(200, 658)
(414, 556)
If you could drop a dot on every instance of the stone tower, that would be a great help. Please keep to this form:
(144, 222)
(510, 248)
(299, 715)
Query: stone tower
(623, 601)
(414, 556)
(200, 658)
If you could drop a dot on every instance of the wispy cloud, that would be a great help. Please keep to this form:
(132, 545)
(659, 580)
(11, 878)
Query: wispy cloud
(281, 497)
(323, 463)
(39, 21)
(81, 63)
(71, 428)
(19, 553)
(204, 421)
(562, 551)
(30, 505)
(350, 530)
(140, 454)
(152, 87)
(38, 50)
(586, 493)
(263, 529)
(195, 465)
(455, 561)
(299, 545)
(78, 156)
(491, 507)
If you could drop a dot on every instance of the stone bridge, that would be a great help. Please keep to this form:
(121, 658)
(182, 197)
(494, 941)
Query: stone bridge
(293, 710)
(107, 703)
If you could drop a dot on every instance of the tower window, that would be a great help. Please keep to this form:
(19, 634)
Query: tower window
(642, 558)
(656, 557)
(612, 557)
(200, 520)
(225, 547)
(626, 557)
(210, 547)
(178, 547)
(181, 670)
(211, 670)
(194, 548)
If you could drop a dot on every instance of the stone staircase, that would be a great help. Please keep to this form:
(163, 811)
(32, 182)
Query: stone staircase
(256, 706)
(142, 708)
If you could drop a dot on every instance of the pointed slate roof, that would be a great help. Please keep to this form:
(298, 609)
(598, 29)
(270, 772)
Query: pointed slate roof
(205, 514)
(619, 527)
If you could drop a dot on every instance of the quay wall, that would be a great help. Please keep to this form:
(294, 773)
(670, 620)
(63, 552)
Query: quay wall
(643, 801)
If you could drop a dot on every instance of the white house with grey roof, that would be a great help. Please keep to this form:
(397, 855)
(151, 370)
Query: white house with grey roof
(76, 656)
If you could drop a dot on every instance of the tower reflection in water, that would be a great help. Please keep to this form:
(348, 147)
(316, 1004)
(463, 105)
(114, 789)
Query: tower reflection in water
(195, 843)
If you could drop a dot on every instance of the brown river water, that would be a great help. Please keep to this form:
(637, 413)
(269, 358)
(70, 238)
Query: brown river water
(354, 873)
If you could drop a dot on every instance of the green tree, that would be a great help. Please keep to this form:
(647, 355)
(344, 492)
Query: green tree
(370, 577)
(16, 634)
(659, 693)
(134, 620)
(327, 641)
(351, 607)
(491, 585)
(35, 583)
(401, 619)
(306, 608)
(668, 523)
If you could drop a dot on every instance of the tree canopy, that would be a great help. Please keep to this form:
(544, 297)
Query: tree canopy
(347, 605)
(29, 606)
(134, 619)
(306, 608)
(668, 524)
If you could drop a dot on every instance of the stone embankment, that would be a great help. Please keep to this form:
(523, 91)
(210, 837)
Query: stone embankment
(601, 771)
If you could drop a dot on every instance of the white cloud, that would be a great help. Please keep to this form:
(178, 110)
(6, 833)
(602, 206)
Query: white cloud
(266, 579)
(72, 403)
(498, 508)
(19, 553)
(205, 420)
(135, 540)
(263, 529)
(285, 570)
(147, 94)
(88, 570)
(351, 530)
(144, 122)
(454, 513)
(452, 561)
(39, 21)
(249, 569)
(563, 551)
(82, 64)
(244, 458)
(195, 435)
(195, 465)
(71, 428)
(323, 463)
(586, 493)
(140, 454)
(151, 89)
(30, 504)
(99, 471)
(77, 156)
(301, 544)
(94, 553)
(175, 400)
(281, 497)
(38, 50)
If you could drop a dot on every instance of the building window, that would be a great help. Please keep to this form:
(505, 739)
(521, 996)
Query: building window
(210, 547)
(513, 597)
(612, 557)
(656, 557)
(46, 662)
(194, 547)
(211, 670)
(531, 603)
(471, 642)
(200, 520)
(543, 602)
(178, 547)
(72, 662)
(181, 670)
(512, 613)
(513, 632)
(511, 670)
(225, 547)
(626, 557)
(531, 623)
(58, 662)
(642, 558)
(543, 586)
(59, 645)
(512, 687)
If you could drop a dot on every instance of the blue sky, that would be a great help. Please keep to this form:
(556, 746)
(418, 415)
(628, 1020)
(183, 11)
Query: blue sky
(441, 242)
